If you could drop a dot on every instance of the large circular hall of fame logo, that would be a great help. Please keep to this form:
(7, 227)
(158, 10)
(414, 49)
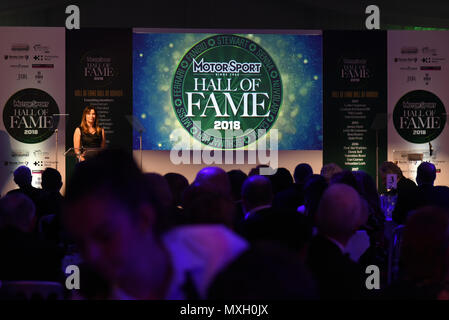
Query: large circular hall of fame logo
(230, 84)
(28, 115)
(419, 116)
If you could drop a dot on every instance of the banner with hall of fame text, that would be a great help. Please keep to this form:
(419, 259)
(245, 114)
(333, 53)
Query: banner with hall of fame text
(99, 62)
(418, 99)
(32, 102)
(354, 102)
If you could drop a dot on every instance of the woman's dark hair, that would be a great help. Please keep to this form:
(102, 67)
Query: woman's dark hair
(83, 124)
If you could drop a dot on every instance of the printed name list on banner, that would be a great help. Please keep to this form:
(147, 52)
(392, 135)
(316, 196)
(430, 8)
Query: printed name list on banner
(354, 104)
(32, 102)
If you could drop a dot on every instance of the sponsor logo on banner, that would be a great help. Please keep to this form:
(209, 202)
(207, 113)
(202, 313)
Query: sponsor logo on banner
(98, 69)
(419, 116)
(40, 153)
(355, 70)
(28, 115)
(44, 58)
(427, 79)
(409, 50)
(409, 68)
(38, 163)
(41, 48)
(22, 76)
(20, 47)
(427, 50)
(17, 154)
(227, 91)
(16, 58)
(15, 163)
(430, 68)
(39, 77)
(406, 59)
(411, 78)
(20, 66)
(43, 65)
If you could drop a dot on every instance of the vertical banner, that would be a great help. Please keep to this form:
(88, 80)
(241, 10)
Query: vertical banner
(32, 102)
(99, 65)
(355, 99)
(418, 98)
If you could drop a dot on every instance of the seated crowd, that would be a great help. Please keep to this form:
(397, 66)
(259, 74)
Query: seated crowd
(227, 235)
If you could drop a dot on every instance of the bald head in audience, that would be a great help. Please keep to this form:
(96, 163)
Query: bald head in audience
(426, 174)
(18, 211)
(341, 212)
(215, 179)
(256, 191)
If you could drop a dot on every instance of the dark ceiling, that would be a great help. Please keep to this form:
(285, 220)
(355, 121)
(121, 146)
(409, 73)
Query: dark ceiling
(281, 14)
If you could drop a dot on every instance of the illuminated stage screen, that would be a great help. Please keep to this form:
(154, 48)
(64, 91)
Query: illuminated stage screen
(227, 90)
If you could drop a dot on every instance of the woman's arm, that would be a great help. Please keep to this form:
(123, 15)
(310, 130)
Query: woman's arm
(77, 144)
(103, 139)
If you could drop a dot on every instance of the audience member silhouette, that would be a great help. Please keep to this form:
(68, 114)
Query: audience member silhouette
(377, 253)
(23, 178)
(267, 272)
(257, 197)
(158, 187)
(340, 214)
(256, 171)
(281, 180)
(424, 256)
(51, 203)
(345, 177)
(406, 192)
(178, 184)
(328, 171)
(293, 197)
(313, 191)
(215, 179)
(440, 197)
(23, 255)
(426, 174)
(367, 190)
(425, 178)
(237, 177)
(205, 206)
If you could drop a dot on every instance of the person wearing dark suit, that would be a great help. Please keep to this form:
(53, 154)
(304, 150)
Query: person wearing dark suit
(23, 178)
(340, 214)
(293, 197)
(285, 227)
(265, 271)
(412, 197)
(257, 196)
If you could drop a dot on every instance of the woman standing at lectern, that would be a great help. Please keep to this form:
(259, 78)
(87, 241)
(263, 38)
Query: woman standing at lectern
(89, 134)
